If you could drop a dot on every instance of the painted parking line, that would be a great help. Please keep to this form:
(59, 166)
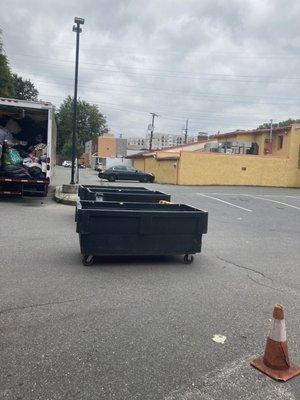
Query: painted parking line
(223, 201)
(259, 197)
(293, 197)
(274, 201)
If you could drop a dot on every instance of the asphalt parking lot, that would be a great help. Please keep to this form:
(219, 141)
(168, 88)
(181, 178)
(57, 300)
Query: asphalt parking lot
(142, 328)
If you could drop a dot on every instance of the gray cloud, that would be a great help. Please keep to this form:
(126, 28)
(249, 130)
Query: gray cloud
(222, 64)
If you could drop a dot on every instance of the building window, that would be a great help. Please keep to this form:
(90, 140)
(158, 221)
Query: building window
(280, 142)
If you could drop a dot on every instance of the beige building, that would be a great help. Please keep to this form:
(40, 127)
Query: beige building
(277, 162)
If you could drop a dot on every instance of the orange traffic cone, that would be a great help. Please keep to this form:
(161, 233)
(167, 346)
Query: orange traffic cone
(275, 362)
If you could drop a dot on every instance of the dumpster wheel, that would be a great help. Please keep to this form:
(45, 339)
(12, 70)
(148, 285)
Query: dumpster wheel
(188, 258)
(88, 260)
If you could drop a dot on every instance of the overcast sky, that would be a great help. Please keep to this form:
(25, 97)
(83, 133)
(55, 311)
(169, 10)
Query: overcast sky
(223, 64)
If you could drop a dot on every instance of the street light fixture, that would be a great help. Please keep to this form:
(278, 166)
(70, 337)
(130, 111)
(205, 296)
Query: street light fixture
(76, 28)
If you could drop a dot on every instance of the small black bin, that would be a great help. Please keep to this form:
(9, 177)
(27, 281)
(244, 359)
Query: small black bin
(135, 229)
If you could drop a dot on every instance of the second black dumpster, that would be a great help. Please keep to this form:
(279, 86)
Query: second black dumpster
(125, 194)
(88, 192)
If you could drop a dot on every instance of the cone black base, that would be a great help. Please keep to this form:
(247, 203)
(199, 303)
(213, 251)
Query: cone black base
(279, 375)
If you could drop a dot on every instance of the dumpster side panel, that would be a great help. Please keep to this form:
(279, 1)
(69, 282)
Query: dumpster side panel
(138, 245)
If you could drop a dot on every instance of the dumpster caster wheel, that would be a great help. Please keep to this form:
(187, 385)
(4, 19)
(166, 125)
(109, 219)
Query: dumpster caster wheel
(87, 260)
(188, 258)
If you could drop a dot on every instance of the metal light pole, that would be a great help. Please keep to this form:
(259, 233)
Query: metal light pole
(152, 130)
(78, 30)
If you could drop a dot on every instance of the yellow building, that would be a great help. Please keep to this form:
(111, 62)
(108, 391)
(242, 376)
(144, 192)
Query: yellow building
(276, 164)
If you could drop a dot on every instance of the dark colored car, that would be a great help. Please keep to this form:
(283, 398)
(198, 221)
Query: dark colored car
(122, 172)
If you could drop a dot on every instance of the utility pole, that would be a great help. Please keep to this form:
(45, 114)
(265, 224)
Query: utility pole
(271, 135)
(152, 130)
(78, 30)
(186, 131)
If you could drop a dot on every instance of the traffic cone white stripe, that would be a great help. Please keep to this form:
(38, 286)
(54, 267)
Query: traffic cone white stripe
(278, 330)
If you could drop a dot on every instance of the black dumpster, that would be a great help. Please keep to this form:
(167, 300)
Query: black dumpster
(135, 229)
(126, 195)
(120, 194)
(84, 190)
(143, 197)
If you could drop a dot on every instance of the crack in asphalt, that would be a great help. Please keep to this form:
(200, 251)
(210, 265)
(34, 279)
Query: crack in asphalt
(242, 267)
(42, 305)
(262, 284)
(259, 273)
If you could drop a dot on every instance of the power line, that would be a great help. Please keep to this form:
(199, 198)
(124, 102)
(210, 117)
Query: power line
(204, 97)
(198, 94)
(194, 116)
(207, 119)
(174, 73)
(137, 51)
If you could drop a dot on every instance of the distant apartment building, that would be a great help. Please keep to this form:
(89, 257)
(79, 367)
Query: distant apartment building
(137, 143)
(159, 141)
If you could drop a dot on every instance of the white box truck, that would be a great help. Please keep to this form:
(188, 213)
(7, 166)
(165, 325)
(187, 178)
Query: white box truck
(37, 122)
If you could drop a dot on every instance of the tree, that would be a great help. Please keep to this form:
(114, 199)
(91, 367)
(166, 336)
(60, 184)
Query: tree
(5, 73)
(23, 89)
(13, 85)
(287, 122)
(90, 123)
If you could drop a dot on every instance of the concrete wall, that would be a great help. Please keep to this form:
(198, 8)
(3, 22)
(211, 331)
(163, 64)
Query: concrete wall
(222, 169)
(165, 171)
(139, 163)
(294, 154)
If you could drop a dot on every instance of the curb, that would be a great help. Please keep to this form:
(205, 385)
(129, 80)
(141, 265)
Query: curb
(65, 198)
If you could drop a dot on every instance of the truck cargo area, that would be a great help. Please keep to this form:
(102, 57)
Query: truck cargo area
(27, 147)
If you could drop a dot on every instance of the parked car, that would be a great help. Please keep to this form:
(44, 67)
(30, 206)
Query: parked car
(82, 166)
(122, 172)
(67, 164)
